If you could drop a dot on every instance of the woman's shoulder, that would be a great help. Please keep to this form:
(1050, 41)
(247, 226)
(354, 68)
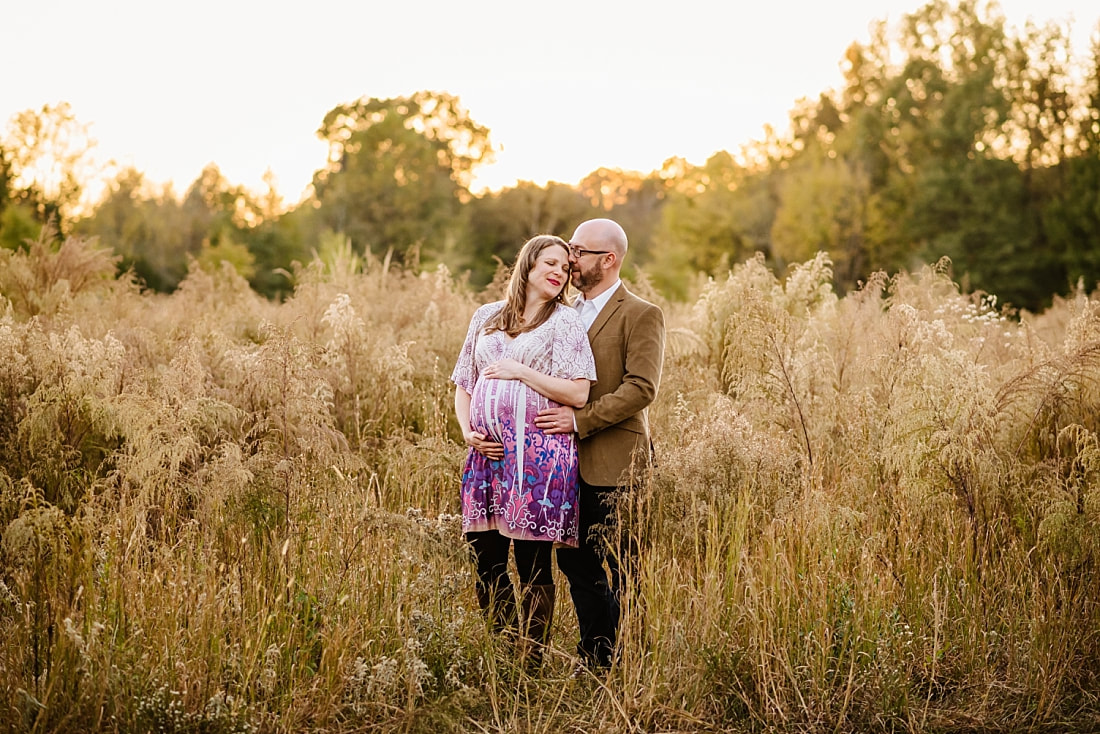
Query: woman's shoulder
(567, 312)
(567, 317)
(484, 312)
(489, 308)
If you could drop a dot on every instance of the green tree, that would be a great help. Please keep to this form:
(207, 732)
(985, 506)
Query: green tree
(867, 141)
(635, 201)
(500, 222)
(1071, 211)
(18, 227)
(398, 171)
(277, 242)
(6, 176)
(146, 227)
(822, 207)
(217, 209)
(48, 159)
(212, 257)
(996, 111)
(715, 216)
(977, 213)
(941, 137)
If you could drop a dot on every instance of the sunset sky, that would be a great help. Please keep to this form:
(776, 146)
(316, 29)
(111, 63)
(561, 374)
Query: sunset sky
(564, 87)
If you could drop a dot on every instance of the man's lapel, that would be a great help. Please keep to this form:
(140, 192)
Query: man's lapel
(607, 311)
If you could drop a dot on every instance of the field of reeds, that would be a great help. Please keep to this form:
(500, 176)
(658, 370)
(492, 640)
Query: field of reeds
(875, 512)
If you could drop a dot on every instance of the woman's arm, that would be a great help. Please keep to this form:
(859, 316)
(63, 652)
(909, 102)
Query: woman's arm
(476, 439)
(558, 389)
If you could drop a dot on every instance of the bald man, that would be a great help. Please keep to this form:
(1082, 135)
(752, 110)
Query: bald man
(627, 335)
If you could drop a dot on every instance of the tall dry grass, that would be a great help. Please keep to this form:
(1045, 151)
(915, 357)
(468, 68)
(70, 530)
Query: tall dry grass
(876, 512)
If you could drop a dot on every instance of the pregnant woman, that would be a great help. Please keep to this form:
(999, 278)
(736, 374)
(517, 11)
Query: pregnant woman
(519, 485)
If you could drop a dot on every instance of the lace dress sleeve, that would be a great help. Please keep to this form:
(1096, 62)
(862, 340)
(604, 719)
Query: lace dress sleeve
(465, 372)
(572, 354)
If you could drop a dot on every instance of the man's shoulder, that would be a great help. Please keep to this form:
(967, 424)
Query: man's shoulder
(635, 301)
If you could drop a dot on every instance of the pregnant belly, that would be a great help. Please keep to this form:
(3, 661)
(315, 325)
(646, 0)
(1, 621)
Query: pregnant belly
(498, 406)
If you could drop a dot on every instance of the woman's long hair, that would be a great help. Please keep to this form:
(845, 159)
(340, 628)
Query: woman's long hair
(510, 318)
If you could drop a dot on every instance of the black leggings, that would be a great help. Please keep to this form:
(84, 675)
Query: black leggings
(533, 559)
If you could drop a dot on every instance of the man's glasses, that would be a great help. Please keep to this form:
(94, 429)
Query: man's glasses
(579, 252)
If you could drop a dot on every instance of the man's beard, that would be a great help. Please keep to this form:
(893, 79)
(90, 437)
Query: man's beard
(585, 280)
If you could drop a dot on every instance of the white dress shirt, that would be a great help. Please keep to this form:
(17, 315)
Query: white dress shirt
(591, 309)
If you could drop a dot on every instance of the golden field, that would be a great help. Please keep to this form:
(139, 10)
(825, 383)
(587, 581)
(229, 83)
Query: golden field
(876, 511)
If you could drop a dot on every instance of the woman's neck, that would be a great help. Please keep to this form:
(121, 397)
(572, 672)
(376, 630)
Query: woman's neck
(531, 310)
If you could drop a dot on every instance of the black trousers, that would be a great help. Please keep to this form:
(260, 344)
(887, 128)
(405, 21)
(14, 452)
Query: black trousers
(534, 559)
(596, 593)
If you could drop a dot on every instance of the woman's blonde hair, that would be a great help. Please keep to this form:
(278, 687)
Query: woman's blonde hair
(510, 318)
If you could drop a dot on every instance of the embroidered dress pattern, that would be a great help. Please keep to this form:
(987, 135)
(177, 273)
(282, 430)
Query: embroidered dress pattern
(530, 494)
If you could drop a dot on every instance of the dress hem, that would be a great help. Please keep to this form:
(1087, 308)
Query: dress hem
(514, 535)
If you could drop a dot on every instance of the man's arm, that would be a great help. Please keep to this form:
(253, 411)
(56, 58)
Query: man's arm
(645, 349)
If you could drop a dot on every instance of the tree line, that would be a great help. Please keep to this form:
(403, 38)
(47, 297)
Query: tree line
(953, 135)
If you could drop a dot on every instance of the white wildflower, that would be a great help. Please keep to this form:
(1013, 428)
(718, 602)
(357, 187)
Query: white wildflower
(384, 674)
(73, 634)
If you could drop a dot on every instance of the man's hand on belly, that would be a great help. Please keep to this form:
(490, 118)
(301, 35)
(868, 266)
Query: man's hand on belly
(556, 420)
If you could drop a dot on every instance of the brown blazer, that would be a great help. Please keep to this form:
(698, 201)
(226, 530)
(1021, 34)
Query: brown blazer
(628, 343)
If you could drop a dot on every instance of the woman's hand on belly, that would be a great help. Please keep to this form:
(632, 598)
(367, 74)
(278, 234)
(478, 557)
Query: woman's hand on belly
(559, 389)
(483, 445)
(507, 369)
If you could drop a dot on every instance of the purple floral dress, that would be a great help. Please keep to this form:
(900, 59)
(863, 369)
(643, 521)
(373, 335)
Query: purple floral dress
(530, 494)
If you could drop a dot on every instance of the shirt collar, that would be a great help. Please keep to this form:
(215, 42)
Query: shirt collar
(601, 300)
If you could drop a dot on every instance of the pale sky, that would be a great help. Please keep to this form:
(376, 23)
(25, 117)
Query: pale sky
(565, 87)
